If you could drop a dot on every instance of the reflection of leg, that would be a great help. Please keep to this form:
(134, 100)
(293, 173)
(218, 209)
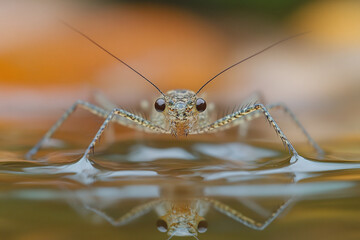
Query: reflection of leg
(127, 217)
(297, 122)
(134, 119)
(249, 222)
(85, 105)
(253, 206)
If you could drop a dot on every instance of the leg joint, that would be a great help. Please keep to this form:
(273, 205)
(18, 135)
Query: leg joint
(259, 106)
(77, 103)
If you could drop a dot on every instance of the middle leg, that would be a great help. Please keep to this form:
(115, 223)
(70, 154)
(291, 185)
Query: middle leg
(134, 119)
(286, 110)
(297, 122)
(241, 114)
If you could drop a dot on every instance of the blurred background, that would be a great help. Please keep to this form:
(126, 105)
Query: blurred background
(45, 67)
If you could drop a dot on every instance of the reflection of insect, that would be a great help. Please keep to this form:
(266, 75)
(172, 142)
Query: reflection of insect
(187, 217)
(178, 112)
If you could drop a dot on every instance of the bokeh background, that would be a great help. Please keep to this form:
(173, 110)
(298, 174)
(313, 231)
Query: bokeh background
(45, 67)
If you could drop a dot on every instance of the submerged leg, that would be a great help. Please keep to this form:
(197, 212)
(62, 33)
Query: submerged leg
(239, 217)
(231, 118)
(127, 217)
(85, 105)
(134, 119)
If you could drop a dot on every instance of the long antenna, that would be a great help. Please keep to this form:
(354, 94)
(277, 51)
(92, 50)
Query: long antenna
(255, 54)
(102, 48)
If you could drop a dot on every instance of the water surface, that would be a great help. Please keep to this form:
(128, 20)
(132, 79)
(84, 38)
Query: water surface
(59, 195)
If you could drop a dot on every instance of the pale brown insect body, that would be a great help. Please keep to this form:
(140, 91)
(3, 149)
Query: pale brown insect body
(178, 112)
(186, 217)
(180, 115)
(182, 218)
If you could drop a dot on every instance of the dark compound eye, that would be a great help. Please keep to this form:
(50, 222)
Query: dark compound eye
(202, 226)
(161, 225)
(160, 105)
(200, 104)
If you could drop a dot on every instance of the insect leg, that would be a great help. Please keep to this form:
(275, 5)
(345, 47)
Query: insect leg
(256, 97)
(297, 122)
(231, 118)
(102, 101)
(134, 120)
(85, 105)
(249, 222)
(127, 217)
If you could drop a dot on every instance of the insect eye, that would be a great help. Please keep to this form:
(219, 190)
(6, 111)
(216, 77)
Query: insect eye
(200, 104)
(161, 225)
(160, 105)
(202, 226)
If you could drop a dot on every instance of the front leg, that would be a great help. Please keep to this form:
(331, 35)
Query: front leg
(225, 121)
(85, 105)
(139, 121)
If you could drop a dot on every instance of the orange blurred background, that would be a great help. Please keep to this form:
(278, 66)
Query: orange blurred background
(45, 67)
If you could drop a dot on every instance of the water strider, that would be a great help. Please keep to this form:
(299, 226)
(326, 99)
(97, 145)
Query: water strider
(178, 112)
(32, 193)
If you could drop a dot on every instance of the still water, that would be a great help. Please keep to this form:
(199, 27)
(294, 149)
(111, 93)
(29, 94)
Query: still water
(179, 189)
